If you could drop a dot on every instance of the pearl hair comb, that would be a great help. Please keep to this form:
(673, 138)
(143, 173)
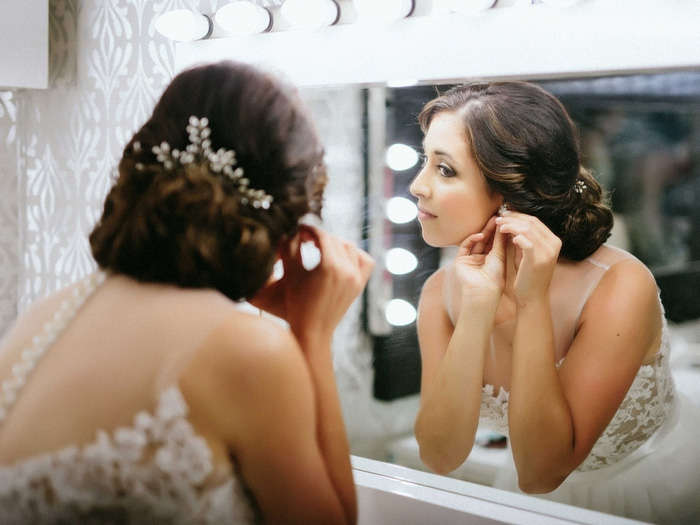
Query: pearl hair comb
(222, 163)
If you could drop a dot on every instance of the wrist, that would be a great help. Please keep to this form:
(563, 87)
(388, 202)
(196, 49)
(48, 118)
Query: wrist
(532, 302)
(313, 338)
(479, 302)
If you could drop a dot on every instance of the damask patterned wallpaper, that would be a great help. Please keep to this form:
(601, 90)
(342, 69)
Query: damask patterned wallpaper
(107, 66)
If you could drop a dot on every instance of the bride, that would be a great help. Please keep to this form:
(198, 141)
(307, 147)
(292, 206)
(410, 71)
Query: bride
(538, 329)
(142, 393)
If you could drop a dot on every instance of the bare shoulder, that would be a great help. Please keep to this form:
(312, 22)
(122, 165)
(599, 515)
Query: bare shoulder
(246, 363)
(625, 304)
(245, 342)
(627, 279)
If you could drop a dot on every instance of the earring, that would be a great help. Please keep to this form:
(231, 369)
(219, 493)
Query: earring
(503, 209)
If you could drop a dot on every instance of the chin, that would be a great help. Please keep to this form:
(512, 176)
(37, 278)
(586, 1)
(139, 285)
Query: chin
(435, 243)
(436, 240)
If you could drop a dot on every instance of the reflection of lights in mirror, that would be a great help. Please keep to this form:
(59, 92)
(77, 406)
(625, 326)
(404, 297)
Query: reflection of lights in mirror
(310, 14)
(395, 349)
(183, 25)
(399, 312)
(400, 157)
(400, 210)
(400, 261)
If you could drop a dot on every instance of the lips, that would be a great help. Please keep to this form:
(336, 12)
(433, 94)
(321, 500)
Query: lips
(425, 214)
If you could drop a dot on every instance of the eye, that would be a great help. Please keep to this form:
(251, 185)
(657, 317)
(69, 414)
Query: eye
(423, 159)
(445, 170)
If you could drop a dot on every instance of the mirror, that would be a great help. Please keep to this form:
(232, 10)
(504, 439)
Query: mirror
(639, 135)
(345, 72)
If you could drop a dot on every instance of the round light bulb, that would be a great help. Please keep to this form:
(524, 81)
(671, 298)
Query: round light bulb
(399, 312)
(310, 14)
(400, 261)
(400, 157)
(243, 18)
(183, 25)
(401, 210)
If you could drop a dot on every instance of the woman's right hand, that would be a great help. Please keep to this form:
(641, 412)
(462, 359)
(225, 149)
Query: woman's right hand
(316, 300)
(480, 263)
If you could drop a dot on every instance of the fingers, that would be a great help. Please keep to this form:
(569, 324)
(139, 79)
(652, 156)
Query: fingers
(498, 245)
(529, 234)
(479, 243)
(339, 255)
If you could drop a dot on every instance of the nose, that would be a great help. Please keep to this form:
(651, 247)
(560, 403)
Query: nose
(418, 186)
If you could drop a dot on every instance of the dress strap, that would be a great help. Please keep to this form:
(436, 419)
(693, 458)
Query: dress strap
(31, 355)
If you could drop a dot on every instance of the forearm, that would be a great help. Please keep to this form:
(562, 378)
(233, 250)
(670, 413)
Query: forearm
(331, 433)
(449, 413)
(539, 419)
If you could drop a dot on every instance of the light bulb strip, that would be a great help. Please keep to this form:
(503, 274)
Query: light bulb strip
(341, 6)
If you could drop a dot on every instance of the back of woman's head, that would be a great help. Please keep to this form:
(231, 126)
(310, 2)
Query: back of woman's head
(181, 220)
(527, 148)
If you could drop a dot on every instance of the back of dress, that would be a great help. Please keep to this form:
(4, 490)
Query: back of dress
(153, 469)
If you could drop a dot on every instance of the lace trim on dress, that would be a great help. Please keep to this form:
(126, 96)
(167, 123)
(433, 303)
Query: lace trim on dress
(155, 471)
(641, 413)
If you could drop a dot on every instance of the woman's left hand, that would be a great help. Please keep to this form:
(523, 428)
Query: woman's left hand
(533, 252)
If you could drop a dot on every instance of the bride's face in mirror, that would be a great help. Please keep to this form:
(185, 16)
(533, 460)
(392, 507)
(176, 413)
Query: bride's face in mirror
(453, 198)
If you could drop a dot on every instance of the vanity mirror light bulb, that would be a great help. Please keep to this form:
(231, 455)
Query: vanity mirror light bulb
(400, 157)
(470, 6)
(183, 25)
(401, 210)
(244, 18)
(384, 10)
(399, 312)
(400, 261)
(310, 14)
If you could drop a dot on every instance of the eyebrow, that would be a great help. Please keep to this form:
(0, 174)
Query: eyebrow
(440, 152)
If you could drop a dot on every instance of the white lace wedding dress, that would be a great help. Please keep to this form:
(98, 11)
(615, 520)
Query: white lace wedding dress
(646, 464)
(157, 470)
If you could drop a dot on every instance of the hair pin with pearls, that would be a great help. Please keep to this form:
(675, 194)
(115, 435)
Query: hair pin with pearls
(222, 163)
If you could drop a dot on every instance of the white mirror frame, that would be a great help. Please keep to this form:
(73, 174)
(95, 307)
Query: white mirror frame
(593, 37)
(389, 493)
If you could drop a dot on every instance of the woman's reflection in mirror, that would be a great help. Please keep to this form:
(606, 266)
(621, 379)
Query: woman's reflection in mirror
(538, 329)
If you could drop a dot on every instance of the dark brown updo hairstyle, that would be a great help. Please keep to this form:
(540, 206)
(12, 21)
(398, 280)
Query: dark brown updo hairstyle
(527, 148)
(182, 225)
